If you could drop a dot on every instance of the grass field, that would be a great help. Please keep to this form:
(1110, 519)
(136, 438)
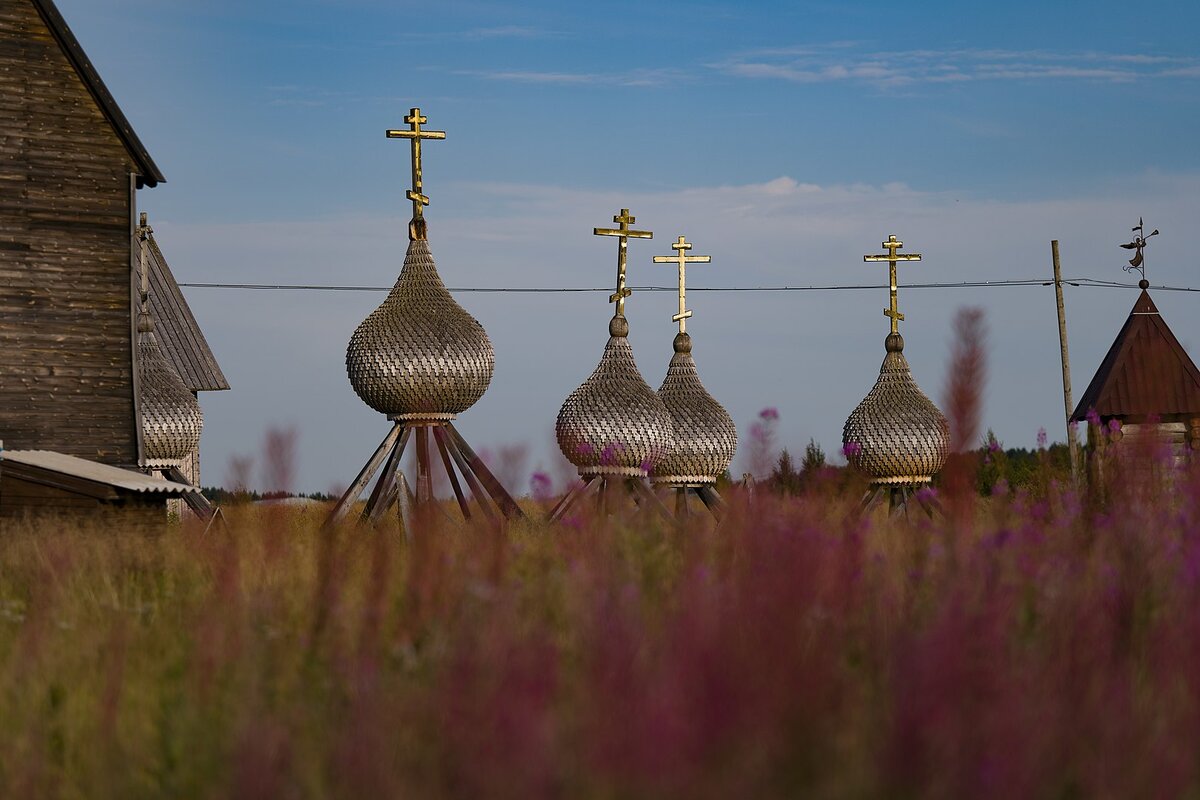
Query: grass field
(1033, 643)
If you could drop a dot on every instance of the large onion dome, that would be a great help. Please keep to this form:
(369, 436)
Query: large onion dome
(420, 355)
(896, 436)
(614, 423)
(705, 436)
(171, 416)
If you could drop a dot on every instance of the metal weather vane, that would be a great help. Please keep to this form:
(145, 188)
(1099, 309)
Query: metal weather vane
(681, 246)
(416, 228)
(892, 257)
(623, 234)
(1138, 244)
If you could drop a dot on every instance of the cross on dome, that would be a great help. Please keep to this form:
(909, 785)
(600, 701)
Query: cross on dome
(892, 257)
(681, 246)
(624, 233)
(416, 228)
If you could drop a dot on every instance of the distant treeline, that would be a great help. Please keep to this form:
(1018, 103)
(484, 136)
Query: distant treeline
(221, 496)
(995, 465)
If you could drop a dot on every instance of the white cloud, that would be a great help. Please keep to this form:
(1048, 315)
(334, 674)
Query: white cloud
(637, 77)
(849, 62)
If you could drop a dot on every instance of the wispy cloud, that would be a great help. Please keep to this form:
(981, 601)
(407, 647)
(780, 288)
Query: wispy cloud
(851, 62)
(488, 33)
(511, 32)
(636, 77)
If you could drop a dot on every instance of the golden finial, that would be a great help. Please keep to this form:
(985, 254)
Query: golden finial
(681, 246)
(143, 236)
(892, 245)
(623, 234)
(416, 228)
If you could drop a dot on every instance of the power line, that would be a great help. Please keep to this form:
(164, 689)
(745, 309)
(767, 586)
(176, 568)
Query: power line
(1094, 283)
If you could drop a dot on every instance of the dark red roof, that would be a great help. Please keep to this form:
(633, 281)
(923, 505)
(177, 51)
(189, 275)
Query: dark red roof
(1146, 373)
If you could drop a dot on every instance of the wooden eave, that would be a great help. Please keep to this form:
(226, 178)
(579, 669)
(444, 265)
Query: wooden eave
(148, 172)
(178, 332)
(82, 477)
(1145, 375)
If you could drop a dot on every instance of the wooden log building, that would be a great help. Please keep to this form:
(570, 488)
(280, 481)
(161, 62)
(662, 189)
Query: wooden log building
(70, 170)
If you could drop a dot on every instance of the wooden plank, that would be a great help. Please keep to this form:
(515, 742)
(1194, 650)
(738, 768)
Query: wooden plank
(508, 506)
(439, 436)
(355, 489)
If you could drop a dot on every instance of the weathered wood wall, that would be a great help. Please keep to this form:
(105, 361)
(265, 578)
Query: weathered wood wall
(36, 503)
(66, 379)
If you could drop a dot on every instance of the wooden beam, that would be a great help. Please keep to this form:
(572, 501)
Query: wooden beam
(508, 506)
(640, 489)
(383, 486)
(712, 501)
(477, 491)
(424, 477)
(360, 482)
(439, 436)
(569, 499)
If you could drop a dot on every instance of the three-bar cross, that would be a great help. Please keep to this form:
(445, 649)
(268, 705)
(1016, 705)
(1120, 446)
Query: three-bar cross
(892, 245)
(623, 234)
(416, 229)
(681, 246)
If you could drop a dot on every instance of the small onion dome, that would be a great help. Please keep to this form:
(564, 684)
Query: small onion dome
(420, 355)
(614, 423)
(171, 416)
(896, 435)
(705, 436)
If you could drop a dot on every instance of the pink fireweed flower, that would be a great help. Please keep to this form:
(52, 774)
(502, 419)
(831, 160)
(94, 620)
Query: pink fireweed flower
(851, 449)
(585, 449)
(608, 456)
(1114, 425)
(1041, 439)
(1093, 417)
(540, 486)
(769, 414)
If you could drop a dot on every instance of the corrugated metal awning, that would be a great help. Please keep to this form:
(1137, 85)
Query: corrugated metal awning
(98, 473)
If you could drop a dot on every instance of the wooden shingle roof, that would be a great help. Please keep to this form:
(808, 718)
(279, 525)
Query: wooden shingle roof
(1146, 374)
(179, 335)
(148, 172)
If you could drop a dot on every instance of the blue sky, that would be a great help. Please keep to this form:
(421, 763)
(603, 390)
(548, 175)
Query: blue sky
(785, 139)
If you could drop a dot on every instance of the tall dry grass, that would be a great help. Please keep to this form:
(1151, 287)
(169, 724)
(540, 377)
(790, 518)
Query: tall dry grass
(1049, 648)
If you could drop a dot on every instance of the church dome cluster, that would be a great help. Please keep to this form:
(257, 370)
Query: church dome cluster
(615, 424)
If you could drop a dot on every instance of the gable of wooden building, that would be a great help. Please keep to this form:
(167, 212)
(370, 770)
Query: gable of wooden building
(70, 168)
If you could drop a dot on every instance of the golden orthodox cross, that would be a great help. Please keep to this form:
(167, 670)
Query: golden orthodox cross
(416, 228)
(892, 245)
(623, 234)
(681, 246)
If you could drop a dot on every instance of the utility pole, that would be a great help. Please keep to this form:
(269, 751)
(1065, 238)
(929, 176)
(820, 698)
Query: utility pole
(1072, 444)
